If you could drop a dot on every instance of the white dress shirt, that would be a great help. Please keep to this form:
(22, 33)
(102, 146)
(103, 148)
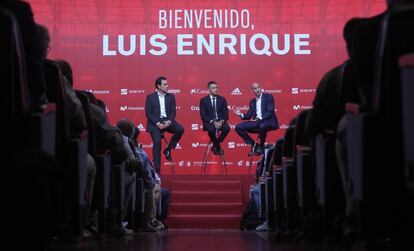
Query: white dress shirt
(161, 98)
(259, 107)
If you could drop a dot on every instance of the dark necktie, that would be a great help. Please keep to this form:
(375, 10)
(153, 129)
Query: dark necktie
(214, 107)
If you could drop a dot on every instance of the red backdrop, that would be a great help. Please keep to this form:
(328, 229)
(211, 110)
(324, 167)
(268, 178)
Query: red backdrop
(78, 27)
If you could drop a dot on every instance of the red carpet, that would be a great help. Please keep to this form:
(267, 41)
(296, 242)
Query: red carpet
(207, 201)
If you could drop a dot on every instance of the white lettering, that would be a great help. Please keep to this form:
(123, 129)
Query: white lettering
(298, 43)
(181, 43)
(155, 43)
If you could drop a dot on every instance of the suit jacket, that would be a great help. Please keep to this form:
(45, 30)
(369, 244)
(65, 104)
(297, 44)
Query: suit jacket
(206, 109)
(153, 111)
(268, 110)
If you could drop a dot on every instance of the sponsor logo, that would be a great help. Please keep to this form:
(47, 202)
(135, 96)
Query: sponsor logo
(188, 163)
(235, 107)
(195, 108)
(200, 163)
(178, 146)
(240, 163)
(106, 109)
(301, 107)
(141, 128)
(174, 91)
(270, 91)
(233, 144)
(181, 163)
(131, 108)
(236, 91)
(194, 127)
(284, 126)
(197, 145)
(99, 91)
(297, 90)
(248, 163)
(232, 126)
(134, 91)
(147, 145)
(124, 91)
(198, 91)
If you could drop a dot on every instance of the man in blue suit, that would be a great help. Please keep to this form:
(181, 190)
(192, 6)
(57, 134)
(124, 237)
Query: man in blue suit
(160, 109)
(261, 116)
(214, 114)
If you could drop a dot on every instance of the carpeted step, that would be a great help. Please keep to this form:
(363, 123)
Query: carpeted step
(206, 208)
(206, 196)
(204, 221)
(206, 185)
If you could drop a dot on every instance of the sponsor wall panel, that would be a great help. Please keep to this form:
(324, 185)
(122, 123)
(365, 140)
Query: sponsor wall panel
(87, 34)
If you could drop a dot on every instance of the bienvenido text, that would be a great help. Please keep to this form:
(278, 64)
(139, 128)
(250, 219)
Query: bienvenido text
(203, 18)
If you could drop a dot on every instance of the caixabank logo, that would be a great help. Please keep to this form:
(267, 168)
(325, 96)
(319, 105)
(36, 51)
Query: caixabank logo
(198, 91)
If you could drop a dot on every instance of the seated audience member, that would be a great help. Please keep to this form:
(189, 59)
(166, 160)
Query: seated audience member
(34, 49)
(161, 193)
(77, 119)
(145, 172)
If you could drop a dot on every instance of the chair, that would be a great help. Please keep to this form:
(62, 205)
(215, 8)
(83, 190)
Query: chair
(103, 165)
(71, 151)
(366, 138)
(289, 178)
(166, 143)
(253, 131)
(35, 126)
(407, 81)
(305, 178)
(222, 159)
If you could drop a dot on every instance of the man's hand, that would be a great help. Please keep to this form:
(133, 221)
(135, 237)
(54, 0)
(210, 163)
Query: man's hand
(238, 112)
(217, 124)
(167, 123)
(161, 126)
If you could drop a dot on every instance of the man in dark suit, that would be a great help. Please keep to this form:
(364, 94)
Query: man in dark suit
(160, 109)
(214, 114)
(261, 116)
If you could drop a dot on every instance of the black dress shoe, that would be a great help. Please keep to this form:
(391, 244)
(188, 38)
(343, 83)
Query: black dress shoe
(258, 151)
(215, 149)
(167, 153)
(251, 153)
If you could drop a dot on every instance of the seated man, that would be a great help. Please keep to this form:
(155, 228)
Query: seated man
(261, 116)
(214, 114)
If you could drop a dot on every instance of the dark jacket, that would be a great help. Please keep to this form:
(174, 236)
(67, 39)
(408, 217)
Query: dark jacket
(268, 110)
(206, 109)
(153, 111)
